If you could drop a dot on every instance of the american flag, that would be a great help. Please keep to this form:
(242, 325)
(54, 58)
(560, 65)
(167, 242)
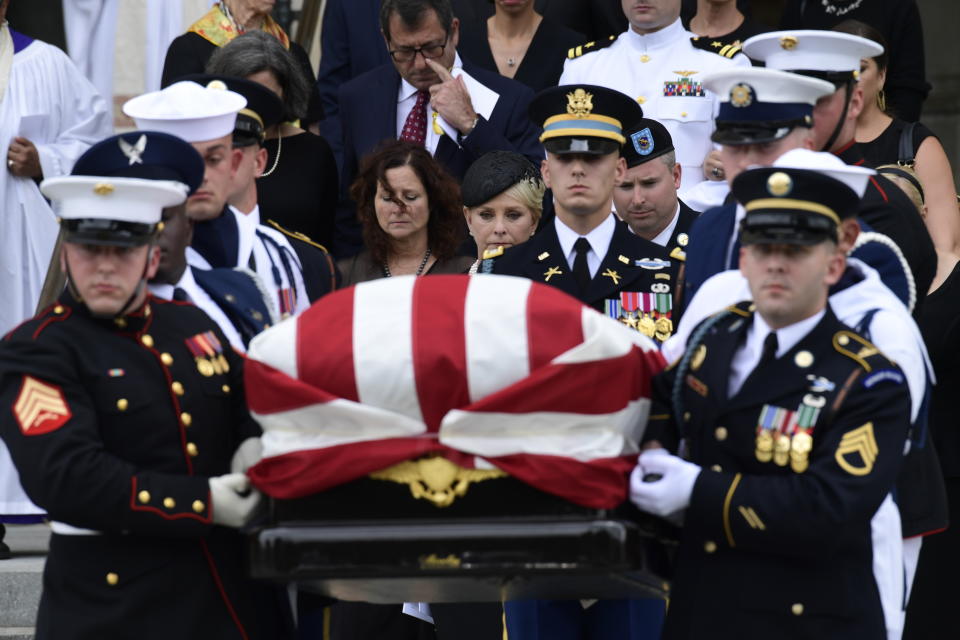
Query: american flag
(487, 371)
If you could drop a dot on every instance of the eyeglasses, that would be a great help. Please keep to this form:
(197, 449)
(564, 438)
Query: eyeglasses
(428, 51)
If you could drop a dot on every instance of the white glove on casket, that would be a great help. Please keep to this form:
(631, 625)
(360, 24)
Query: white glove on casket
(234, 500)
(671, 492)
(249, 453)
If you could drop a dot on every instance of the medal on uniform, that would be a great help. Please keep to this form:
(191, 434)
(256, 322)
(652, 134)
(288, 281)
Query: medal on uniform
(207, 352)
(629, 303)
(781, 449)
(802, 441)
(288, 302)
(769, 426)
(663, 305)
(683, 86)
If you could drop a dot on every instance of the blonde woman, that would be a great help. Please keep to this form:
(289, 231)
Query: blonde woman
(502, 202)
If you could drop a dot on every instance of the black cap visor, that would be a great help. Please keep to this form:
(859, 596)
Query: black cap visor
(111, 233)
(588, 146)
(786, 227)
(739, 133)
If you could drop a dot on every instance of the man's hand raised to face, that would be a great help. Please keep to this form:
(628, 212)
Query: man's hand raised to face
(451, 100)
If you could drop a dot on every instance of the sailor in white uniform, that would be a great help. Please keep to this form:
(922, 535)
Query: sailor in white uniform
(655, 62)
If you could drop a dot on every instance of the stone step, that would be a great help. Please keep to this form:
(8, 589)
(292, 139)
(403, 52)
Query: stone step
(21, 579)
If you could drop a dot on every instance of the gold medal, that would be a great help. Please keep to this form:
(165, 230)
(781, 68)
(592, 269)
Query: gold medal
(647, 326)
(764, 450)
(204, 367)
(664, 327)
(223, 363)
(802, 443)
(799, 463)
(781, 450)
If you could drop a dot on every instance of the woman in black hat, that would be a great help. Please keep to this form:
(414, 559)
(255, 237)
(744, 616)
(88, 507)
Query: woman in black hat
(502, 201)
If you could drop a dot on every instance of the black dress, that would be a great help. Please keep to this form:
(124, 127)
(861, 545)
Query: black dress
(885, 148)
(748, 28)
(543, 63)
(899, 22)
(595, 19)
(301, 194)
(930, 609)
(190, 52)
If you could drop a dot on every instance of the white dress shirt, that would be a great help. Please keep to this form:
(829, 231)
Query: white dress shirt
(747, 356)
(199, 297)
(599, 239)
(663, 238)
(407, 99)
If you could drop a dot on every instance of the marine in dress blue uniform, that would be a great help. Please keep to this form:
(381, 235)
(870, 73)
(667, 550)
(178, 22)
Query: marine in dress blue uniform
(776, 483)
(123, 421)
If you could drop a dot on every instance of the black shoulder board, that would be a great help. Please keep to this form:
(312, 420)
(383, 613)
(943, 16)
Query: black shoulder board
(576, 52)
(717, 46)
(296, 234)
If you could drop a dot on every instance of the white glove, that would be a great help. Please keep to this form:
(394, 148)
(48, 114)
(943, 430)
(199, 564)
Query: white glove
(233, 499)
(247, 454)
(671, 492)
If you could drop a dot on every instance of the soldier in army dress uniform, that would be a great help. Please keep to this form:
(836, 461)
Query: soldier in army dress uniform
(124, 416)
(587, 251)
(791, 429)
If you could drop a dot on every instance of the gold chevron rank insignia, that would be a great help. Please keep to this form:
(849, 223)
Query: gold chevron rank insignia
(859, 442)
(40, 408)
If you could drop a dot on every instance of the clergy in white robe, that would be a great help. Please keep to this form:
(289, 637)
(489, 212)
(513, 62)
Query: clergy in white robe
(44, 99)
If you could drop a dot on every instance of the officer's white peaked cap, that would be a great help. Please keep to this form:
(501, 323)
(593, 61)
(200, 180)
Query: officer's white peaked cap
(828, 164)
(770, 86)
(128, 200)
(188, 110)
(811, 50)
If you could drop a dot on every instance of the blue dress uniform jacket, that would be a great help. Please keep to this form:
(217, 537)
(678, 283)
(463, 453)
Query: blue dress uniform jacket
(239, 297)
(631, 264)
(116, 426)
(779, 545)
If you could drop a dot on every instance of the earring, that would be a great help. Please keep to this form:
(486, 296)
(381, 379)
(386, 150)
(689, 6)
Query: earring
(882, 101)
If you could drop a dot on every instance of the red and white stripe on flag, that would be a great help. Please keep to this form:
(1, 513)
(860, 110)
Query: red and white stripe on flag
(485, 370)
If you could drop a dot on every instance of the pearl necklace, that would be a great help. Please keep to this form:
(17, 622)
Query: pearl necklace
(829, 8)
(423, 263)
(276, 160)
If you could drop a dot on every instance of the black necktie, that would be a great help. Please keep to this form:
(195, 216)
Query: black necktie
(180, 295)
(769, 352)
(581, 273)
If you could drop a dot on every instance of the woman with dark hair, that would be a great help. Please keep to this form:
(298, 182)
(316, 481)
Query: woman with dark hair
(409, 208)
(300, 187)
(879, 134)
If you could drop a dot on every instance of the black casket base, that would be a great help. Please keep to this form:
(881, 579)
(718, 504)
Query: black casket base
(506, 541)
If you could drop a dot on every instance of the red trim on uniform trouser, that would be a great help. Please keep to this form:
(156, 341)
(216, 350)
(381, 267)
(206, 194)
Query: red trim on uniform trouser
(223, 593)
(880, 189)
(167, 516)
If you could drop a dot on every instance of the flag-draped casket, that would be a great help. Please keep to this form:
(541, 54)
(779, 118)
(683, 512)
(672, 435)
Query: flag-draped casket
(441, 383)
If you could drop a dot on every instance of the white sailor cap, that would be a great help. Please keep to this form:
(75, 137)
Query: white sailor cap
(111, 211)
(812, 52)
(828, 164)
(188, 110)
(761, 105)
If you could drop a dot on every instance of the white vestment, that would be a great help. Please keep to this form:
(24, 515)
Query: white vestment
(48, 101)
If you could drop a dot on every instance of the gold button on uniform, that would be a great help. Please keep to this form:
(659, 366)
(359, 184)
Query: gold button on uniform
(192, 450)
(226, 388)
(112, 579)
(144, 497)
(147, 340)
(186, 419)
(716, 468)
(122, 404)
(169, 503)
(58, 309)
(797, 609)
(120, 322)
(166, 359)
(177, 388)
(198, 506)
(720, 433)
(709, 546)
(686, 416)
(683, 114)
(641, 100)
